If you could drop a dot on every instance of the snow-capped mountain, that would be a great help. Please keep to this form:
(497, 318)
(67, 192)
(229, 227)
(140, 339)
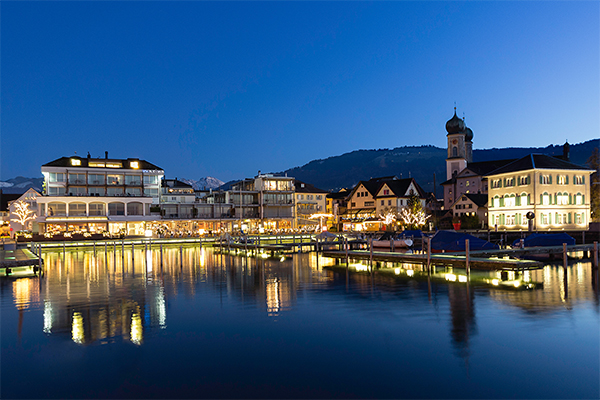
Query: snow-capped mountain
(204, 183)
(20, 184)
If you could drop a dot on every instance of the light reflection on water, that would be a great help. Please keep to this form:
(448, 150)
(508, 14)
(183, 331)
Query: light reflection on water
(115, 299)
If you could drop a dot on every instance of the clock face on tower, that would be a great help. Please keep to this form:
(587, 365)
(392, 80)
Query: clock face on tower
(454, 141)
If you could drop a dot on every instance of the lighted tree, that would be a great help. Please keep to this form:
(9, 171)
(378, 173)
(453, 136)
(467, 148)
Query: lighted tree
(388, 217)
(23, 213)
(413, 216)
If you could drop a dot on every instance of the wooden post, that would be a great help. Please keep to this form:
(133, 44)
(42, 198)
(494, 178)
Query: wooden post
(428, 254)
(392, 244)
(181, 256)
(371, 253)
(595, 257)
(467, 258)
(583, 237)
(132, 252)
(161, 255)
(105, 247)
(64, 248)
(94, 248)
(565, 257)
(346, 246)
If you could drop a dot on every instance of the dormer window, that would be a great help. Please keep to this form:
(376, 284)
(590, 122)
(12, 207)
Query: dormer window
(75, 162)
(134, 164)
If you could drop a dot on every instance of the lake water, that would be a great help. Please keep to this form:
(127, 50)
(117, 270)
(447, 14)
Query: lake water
(207, 325)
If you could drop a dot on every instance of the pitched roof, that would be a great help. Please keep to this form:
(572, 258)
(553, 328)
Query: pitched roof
(480, 168)
(342, 194)
(536, 161)
(175, 183)
(66, 162)
(400, 187)
(303, 187)
(479, 199)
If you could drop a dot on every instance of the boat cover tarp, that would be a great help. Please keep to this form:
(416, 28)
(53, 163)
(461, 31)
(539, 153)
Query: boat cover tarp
(416, 233)
(455, 241)
(546, 239)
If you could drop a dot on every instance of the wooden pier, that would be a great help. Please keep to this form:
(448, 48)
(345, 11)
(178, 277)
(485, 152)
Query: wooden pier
(460, 261)
(19, 262)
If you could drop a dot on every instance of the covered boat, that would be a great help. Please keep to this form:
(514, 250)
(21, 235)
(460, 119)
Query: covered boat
(389, 240)
(545, 240)
(412, 234)
(451, 241)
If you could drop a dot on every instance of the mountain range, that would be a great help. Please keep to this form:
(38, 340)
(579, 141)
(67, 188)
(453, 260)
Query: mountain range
(419, 162)
(344, 171)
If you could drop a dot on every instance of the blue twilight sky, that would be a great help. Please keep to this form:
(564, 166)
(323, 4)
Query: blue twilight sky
(229, 88)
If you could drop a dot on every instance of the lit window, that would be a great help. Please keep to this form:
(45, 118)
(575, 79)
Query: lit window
(561, 179)
(579, 199)
(75, 162)
(545, 179)
(523, 199)
(134, 164)
(578, 180)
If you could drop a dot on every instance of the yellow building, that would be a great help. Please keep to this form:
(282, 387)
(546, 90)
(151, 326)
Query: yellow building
(556, 191)
(309, 201)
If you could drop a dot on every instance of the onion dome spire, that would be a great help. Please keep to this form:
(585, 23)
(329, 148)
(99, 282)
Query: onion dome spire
(455, 124)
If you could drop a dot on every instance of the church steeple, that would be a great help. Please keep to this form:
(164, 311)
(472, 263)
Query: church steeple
(460, 145)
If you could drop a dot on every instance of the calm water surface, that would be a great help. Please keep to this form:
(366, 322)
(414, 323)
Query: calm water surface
(223, 326)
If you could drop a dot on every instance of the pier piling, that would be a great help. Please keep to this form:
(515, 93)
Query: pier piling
(467, 261)
(565, 258)
(595, 256)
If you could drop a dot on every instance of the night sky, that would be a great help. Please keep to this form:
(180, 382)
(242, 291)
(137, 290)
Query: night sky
(227, 89)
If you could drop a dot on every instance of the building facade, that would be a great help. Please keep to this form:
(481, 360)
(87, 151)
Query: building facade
(309, 202)
(98, 195)
(556, 191)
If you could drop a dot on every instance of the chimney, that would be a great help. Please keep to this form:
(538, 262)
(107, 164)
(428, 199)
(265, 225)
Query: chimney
(106, 155)
(88, 155)
(566, 152)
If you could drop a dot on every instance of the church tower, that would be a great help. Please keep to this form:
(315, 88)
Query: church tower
(460, 146)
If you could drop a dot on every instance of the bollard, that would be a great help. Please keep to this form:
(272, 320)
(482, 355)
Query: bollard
(467, 258)
(565, 257)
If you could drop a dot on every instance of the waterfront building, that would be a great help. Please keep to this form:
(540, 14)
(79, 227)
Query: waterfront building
(470, 205)
(29, 198)
(265, 202)
(309, 201)
(370, 200)
(336, 206)
(556, 191)
(86, 195)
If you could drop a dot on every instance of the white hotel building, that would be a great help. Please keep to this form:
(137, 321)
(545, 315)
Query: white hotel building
(96, 195)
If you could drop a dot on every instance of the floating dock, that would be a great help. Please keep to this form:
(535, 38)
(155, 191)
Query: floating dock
(19, 262)
(480, 263)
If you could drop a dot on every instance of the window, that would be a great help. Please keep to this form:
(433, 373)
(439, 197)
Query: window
(76, 179)
(96, 191)
(524, 180)
(545, 179)
(467, 183)
(151, 192)
(562, 199)
(509, 182)
(562, 179)
(496, 183)
(135, 208)
(133, 180)
(369, 203)
(114, 179)
(77, 191)
(96, 164)
(353, 205)
(57, 177)
(75, 162)
(77, 209)
(116, 209)
(55, 209)
(544, 218)
(579, 199)
(510, 219)
(545, 199)
(133, 191)
(509, 201)
(470, 205)
(389, 202)
(524, 201)
(56, 191)
(150, 179)
(319, 197)
(496, 202)
(454, 151)
(578, 180)
(381, 202)
(97, 209)
(96, 179)
(386, 192)
(114, 191)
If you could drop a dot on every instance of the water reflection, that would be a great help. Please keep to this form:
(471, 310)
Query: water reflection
(99, 297)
